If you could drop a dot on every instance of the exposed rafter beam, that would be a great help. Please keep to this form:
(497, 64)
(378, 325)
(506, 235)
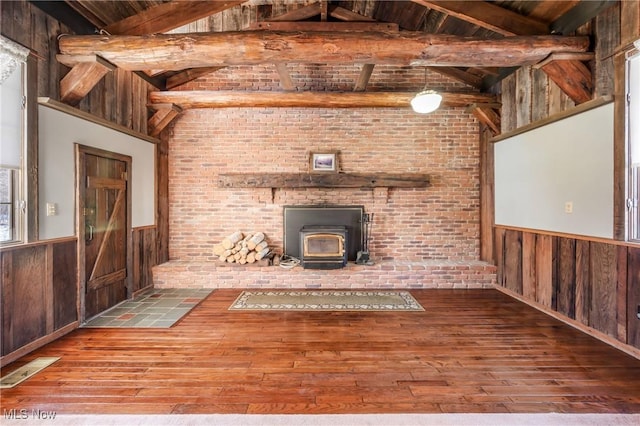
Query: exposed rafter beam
(164, 115)
(82, 78)
(246, 99)
(489, 16)
(323, 26)
(180, 51)
(300, 13)
(579, 15)
(168, 16)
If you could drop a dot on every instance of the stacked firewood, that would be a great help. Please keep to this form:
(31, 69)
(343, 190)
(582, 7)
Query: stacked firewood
(241, 248)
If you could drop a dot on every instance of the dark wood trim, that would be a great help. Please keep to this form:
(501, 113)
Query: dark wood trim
(487, 201)
(574, 236)
(33, 232)
(586, 106)
(620, 175)
(59, 106)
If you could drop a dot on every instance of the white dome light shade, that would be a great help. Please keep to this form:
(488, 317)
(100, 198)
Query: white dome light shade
(426, 101)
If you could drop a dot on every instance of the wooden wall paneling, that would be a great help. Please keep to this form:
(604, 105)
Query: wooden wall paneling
(604, 274)
(513, 261)
(544, 269)
(138, 103)
(6, 289)
(144, 258)
(65, 284)
(16, 21)
(523, 96)
(110, 99)
(125, 97)
(583, 282)
(98, 98)
(487, 199)
(607, 41)
(629, 21)
(566, 277)
(24, 281)
(509, 110)
(633, 296)
(539, 94)
(500, 254)
(621, 293)
(558, 100)
(529, 265)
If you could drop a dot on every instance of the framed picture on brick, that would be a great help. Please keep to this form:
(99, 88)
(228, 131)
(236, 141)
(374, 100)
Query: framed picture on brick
(323, 162)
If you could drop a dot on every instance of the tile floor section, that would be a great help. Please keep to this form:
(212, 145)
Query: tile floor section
(159, 308)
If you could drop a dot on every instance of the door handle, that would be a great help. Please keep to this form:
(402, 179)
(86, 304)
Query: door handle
(90, 233)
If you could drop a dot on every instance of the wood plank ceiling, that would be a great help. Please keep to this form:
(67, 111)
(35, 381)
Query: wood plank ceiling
(475, 42)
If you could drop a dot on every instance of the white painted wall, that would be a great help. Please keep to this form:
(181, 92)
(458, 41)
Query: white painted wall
(570, 160)
(58, 133)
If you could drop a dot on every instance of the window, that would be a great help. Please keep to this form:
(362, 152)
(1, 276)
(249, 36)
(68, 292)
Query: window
(12, 140)
(633, 137)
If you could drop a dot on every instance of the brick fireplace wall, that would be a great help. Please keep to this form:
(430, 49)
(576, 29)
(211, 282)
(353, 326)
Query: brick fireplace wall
(438, 225)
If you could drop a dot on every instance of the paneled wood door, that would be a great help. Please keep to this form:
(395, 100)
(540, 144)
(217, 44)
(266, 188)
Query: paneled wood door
(104, 229)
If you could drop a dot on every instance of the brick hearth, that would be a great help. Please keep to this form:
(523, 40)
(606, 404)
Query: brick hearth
(427, 274)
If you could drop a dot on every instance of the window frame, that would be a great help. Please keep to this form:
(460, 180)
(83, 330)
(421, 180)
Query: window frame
(633, 173)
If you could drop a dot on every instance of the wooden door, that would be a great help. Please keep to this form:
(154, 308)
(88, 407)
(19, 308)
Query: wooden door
(103, 229)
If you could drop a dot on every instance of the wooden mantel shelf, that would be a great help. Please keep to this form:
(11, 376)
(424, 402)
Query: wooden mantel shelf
(323, 180)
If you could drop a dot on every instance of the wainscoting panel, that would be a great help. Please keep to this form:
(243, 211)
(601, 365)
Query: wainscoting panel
(594, 282)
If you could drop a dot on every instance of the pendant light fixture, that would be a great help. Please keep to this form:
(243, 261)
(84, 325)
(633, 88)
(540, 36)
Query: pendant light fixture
(426, 101)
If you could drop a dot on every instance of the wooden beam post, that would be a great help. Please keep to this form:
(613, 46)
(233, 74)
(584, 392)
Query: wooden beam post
(165, 113)
(82, 78)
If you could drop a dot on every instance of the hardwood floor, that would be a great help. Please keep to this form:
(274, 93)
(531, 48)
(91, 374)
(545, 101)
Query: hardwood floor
(471, 351)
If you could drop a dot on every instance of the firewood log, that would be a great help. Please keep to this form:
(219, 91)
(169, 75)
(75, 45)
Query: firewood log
(263, 244)
(255, 240)
(251, 257)
(218, 249)
(242, 260)
(262, 253)
(231, 240)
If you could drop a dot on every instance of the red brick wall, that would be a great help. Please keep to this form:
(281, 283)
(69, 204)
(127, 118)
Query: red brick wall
(440, 222)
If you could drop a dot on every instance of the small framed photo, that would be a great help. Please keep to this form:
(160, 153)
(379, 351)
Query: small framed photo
(326, 161)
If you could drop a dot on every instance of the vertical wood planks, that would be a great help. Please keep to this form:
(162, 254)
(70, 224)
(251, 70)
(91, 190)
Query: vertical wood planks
(513, 261)
(529, 281)
(544, 270)
(583, 282)
(633, 296)
(603, 272)
(566, 277)
(65, 284)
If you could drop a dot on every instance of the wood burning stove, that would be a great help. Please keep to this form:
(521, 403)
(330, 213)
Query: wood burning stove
(335, 231)
(323, 246)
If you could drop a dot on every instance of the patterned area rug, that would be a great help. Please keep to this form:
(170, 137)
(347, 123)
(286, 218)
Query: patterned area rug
(326, 301)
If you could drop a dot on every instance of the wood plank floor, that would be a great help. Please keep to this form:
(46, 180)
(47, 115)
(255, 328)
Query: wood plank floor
(471, 351)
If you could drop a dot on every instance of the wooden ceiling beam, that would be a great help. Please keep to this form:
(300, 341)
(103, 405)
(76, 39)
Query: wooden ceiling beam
(488, 15)
(300, 13)
(573, 77)
(488, 116)
(347, 15)
(168, 16)
(164, 115)
(248, 99)
(180, 51)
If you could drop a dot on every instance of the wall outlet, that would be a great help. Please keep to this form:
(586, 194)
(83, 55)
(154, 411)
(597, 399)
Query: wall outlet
(568, 207)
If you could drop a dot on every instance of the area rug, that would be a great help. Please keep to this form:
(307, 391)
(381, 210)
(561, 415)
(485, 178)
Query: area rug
(159, 308)
(326, 301)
